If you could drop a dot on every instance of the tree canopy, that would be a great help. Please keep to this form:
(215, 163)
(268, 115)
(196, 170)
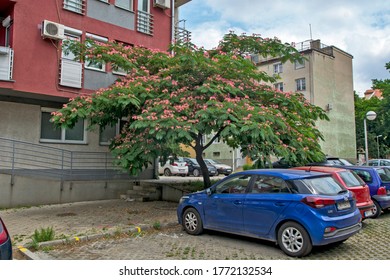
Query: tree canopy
(379, 126)
(178, 97)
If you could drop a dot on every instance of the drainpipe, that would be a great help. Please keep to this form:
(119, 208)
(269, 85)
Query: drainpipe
(173, 20)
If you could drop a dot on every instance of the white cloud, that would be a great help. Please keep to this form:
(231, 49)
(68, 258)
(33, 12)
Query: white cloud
(359, 27)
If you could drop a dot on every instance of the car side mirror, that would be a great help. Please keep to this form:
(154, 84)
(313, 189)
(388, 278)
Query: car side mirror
(209, 191)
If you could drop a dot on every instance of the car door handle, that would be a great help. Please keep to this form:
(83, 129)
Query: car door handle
(280, 203)
(237, 202)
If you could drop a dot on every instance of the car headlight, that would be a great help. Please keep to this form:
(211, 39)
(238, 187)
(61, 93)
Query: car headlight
(183, 198)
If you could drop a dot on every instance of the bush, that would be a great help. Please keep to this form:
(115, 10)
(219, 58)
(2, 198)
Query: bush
(247, 166)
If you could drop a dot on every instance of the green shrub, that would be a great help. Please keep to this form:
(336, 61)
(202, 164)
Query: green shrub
(42, 235)
(247, 166)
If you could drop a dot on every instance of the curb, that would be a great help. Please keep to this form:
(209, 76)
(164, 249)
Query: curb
(29, 255)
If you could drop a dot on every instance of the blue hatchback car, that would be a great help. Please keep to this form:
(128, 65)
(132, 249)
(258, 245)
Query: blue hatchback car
(378, 180)
(5, 243)
(297, 209)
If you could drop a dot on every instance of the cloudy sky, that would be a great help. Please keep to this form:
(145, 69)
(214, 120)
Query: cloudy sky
(359, 27)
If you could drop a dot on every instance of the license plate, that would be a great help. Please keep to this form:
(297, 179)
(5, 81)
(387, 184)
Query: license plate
(181, 170)
(343, 205)
(368, 213)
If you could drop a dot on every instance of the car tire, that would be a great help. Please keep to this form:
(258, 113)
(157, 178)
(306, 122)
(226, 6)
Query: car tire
(167, 172)
(294, 240)
(192, 223)
(196, 173)
(216, 174)
(377, 210)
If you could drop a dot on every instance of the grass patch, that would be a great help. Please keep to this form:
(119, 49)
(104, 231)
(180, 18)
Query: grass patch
(157, 225)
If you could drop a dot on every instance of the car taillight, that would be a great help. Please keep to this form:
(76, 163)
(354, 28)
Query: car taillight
(317, 202)
(381, 191)
(3, 233)
(174, 164)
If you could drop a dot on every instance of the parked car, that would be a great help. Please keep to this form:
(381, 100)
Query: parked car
(173, 167)
(5, 243)
(328, 161)
(194, 168)
(351, 181)
(378, 162)
(294, 208)
(378, 180)
(221, 167)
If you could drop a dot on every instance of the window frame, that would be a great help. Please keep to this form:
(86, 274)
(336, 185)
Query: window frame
(103, 67)
(62, 139)
(129, 8)
(278, 68)
(298, 65)
(279, 86)
(300, 84)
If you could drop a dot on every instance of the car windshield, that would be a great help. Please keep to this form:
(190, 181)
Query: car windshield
(351, 179)
(319, 185)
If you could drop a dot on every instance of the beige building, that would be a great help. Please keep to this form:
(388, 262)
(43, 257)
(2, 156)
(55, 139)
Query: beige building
(326, 80)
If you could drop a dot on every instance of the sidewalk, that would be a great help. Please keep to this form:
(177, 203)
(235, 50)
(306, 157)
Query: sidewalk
(80, 219)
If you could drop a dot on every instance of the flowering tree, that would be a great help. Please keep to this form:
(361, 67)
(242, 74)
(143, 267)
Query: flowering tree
(176, 99)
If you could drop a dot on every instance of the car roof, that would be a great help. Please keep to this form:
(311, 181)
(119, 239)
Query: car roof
(359, 167)
(326, 169)
(286, 174)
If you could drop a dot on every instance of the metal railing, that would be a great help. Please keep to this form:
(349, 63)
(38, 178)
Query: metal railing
(23, 158)
(145, 22)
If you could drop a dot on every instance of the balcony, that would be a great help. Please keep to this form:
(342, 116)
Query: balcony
(6, 63)
(181, 33)
(145, 22)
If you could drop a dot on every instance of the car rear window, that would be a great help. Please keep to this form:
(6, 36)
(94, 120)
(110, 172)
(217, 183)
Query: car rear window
(318, 185)
(351, 179)
(384, 173)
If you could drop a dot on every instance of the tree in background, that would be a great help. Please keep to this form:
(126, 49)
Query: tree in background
(179, 97)
(380, 126)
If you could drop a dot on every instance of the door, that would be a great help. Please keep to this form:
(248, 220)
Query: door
(264, 203)
(223, 208)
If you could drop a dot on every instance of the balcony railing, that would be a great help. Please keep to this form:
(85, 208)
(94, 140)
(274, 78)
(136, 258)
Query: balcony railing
(77, 6)
(182, 34)
(145, 22)
(6, 63)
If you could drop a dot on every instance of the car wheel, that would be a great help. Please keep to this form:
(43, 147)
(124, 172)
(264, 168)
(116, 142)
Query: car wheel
(196, 173)
(192, 222)
(377, 210)
(216, 173)
(167, 172)
(294, 240)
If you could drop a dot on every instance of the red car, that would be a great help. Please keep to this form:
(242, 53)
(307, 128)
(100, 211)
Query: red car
(352, 182)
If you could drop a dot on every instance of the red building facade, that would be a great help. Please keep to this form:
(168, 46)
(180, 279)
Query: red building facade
(36, 77)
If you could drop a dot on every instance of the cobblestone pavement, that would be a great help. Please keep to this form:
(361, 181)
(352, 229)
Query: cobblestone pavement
(372, 243)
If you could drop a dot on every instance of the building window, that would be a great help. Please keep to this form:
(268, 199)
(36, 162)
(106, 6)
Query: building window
(279, 86)
(71, 70)
(216, 154)
(91, 63)
(301, 84)
(110, 131)
(278, 68)
(53, 134)
(125, 4)
(144, 17)
(299, 65)
(76, 6)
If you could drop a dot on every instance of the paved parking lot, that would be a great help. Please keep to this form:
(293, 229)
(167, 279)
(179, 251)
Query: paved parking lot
(372, 243)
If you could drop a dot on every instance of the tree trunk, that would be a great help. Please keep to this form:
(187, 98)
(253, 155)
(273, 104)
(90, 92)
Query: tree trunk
(203, 166)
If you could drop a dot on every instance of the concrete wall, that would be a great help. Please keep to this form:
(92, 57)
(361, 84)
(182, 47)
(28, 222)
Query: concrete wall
(27, 191)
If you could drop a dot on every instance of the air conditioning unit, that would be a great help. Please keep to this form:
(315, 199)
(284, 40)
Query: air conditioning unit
(163, 4)
(52, 30)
